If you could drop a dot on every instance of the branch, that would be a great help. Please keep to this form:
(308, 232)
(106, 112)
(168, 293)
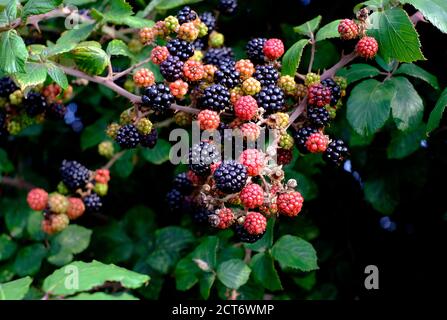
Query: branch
(417, 17)
(16, 183)
(129, 70)
(345, 59)
(312, 55)
(184, 109)
(114, 159)
(297, 112)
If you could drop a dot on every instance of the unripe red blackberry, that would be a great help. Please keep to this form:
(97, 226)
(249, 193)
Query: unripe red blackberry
(102, 176)
(254, 160)
(76, 208)
(235, 94)
(208, 120)
(55, 223)
(273, 49)
(178, 88)
(367, 47)
(255, 223)
(317, 143)
(159, 54)
(147, 35)
(188, 32)
(193, 70)
(250, 131)
(246, 108)
(37, 199)
(348, 29)
(144, 78)
(252, 196)
(284, 156)
(225, 218)
(319, 95)
(245, 68)
(290, 203)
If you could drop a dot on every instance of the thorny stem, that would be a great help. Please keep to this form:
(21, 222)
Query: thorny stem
(16, 183)
(112, 161)
(129, 70)
(312, 55)
(345, 59)
(297, 112)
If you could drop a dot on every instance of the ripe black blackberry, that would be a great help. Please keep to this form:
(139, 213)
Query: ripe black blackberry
(7, 86)
(158, 97)
(35, 104)
(182, 183)
(230, 176)
(74, 175)
(172, 68)
(336, 152)
(255, 50)
(180, 48)
(227, 7)
(215, 97)
(301, 136)
(219, 56)
(149, 140)
(209, 20)
(271, 98)
(227, 76)
(174, 198)
(319, 117)
(243, 236)
(200, 215)
(56, 111)
(201, 156)
(200, 44)
(266, 75)
(128, 136)
(186, 15)
(92, 203)
(335, 90)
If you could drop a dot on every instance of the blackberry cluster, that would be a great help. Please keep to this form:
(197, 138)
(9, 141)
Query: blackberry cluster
(336, 152)
(231, 176)
(149, 140)
(201, 156)
(215, 97)
(227, 6)
(7, 86)
(219, 56)
(128, 137)
(172, 68)
(300, 137)
(158, 97)
(319, 117)
(174, 198)
(243, 236)
(271, 98)
(92, 203)
(180, 48)
(182, 183)
(74, 175)
(335, 90)
(200, 215)
(227, 76)
(255, 50)
(35, 104)
(266, 75)
(209, 20)
(186, 14)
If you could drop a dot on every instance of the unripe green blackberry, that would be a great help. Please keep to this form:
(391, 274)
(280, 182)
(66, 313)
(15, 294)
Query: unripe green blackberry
(101, 189)
(183, 119)
(300, 91)
(288, 85)
(112, 130)
(216, 39)
(286, 141)
(203, 29)
(13, 127)
(62, 188)
(198, 56)
(106, 149)
(127, 116)
(129, 85)
(279, 120)
(311, 79)
(16, 97)
(144, 125)
(172, 23)
(342, 82)
(135, 45)
(57, 203)
(251, 86)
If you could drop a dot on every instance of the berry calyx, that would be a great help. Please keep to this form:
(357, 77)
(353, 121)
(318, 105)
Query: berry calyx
(367, 47)
(317, 143)
(246, 108)
(208, 120)
(252, 196)
(273, 49)
(255, 223)
(348, 29)
(290, 203)
(37, 199)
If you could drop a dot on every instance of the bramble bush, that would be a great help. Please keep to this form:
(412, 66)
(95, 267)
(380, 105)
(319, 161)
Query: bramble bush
(96, 182)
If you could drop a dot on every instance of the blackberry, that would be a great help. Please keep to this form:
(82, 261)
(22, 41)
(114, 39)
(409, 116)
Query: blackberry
(128, 136)
(158, 97)
(149, 140)
(255, 50)
(301, 136)
(242, 235)
(186, 15)
(227, 76)
(35, 104)
(200, 215)
(56, 111)
(74, 175)
(271, 98)
(231, 176)
(219, 56)
(182, 183)
(209, 20)
(215, 97)
(335, 90)
(180, 48)
(319, 117)
(172, 68)
(199, 44)
(201, 156)
(336, 152)
(266, 75)
(174, 199)
(227, 7)
(319, 95)
(7, 86)
(92, 203)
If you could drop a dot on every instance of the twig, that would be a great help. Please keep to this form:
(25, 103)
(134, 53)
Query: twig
(129, 70)
(300, 76)
(184, 109)
(312, 55)
(297, 112)
(164, 123)
(345, 59)
(247, 256)
(112, 161)
(16, 183)
(417, 17)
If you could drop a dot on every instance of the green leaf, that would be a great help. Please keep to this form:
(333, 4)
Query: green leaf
(34, 226)
(308, 27)
(69, 39)
(413, 70)
(159, 154)
(90, 275)
(294, 252)
(396, 35)
(205, 283)
(102, 296)
(381, 194)
(171, 4)
(292, 58)
(264, 271)
(58, 75)
(90, 58)
(15, 290)
(307, 282)
(358, 72)
(9, 13)
(29, 259)
(118, 9)
(207, 251)
(35, 74)
(406, 107)
(13, 52)
(186, 273)
(266, 241)
(72, 240)
(372, 4)
(125, 165)
(78, 2)
(405, 143)
(7, 247)
(93, 134)
(118, 48)
(434, 11)
(233, 273)
(328, 31)
(369, 106)
(33, 7)
(437, 112)
(5, 164)
(16, 216)
(136, 22)
(139, 222)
